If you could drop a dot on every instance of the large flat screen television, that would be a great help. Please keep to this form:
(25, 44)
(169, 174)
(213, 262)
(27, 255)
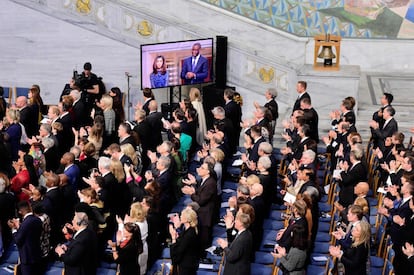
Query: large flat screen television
(176, 63)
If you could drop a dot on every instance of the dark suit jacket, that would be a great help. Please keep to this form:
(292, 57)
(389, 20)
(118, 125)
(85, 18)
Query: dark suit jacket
(234, 113)
(312, 119)
(67, 133)
(29, 120)
(155, 123)
(286, 239)
(184, 253)
(380, 135)
(201, 70)
(81, 257)
(297, 152)
(257, 226)
(166, 195)
(273, 108)
(396, 231)
(254, 151)
(238, 255)
(52, 159)
(145, 106)
(296, 106)
(355, 259)
(27, 239)
(129, 140)
(80, 115)
(349, 180)
(206, 196)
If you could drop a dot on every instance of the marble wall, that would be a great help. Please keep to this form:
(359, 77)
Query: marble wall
(43, 36)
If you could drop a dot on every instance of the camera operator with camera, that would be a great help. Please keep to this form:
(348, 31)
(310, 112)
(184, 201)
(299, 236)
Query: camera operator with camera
(88, 83)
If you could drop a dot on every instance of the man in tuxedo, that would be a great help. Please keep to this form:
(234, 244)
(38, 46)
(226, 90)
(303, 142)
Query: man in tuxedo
(195, 67)
(256, 134)
(399, 213)
(27, 117)
(27, 237)
(154, 121)
(386, 101)
(53, 206)
(205, 194)
(232, 110)
(163, 175)
(224, 124)
(80, 255)
(301, 89)
(79, 114)
(125, 136)
(389, 127)
(238, 253)
(311, 117)
(148, 97)
(67, 123)
(350, 176)
(143, 131)
(258, 204)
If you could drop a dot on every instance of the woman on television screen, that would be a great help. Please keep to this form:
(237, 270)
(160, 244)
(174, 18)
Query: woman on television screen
(159, 75)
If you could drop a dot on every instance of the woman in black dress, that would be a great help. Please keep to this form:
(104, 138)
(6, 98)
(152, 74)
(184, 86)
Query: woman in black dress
(127, 248)
(184, 249)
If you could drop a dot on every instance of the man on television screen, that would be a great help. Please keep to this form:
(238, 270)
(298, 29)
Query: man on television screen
(195, 68)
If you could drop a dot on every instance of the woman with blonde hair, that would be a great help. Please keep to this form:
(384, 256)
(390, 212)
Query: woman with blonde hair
(184, 248)
(118, 170)
(195, 98)
(129, 151)
(355, 257)
(138, 216)
(105, 104)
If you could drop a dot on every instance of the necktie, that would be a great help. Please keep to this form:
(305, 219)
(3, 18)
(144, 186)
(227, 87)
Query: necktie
(193, 64)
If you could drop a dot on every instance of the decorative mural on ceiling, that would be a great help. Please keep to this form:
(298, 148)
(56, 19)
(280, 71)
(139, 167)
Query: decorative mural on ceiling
(347, 18)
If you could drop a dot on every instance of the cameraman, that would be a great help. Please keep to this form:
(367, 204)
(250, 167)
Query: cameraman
(89, 85)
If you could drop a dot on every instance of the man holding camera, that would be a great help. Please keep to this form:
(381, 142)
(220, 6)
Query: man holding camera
(89, 85)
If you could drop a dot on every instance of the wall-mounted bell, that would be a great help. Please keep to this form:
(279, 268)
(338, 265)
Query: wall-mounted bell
(327, 55)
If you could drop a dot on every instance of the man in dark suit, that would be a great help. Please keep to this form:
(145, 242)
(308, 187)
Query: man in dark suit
(143, 131)
(224, 124)
(148, 97)
(27, 117)
(256, 134)
(205, 194)
(232, 110)
(386, 101)
(79, 114)
(311, 117)
(80, 255)
(163, 175)
(154, 121)
(195, 68)
(257, 202)
(350, 176)
(67, 133)
(125, 135)
(301, 89)
(238, 253)
(27, 238)
(399, 213)
(389, 127)
(53, 206)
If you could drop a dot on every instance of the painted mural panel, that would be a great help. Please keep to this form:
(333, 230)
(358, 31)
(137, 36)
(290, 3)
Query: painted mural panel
(392, 19)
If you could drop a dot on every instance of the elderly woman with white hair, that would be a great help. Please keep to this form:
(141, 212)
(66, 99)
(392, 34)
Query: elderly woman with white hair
(269, 189)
